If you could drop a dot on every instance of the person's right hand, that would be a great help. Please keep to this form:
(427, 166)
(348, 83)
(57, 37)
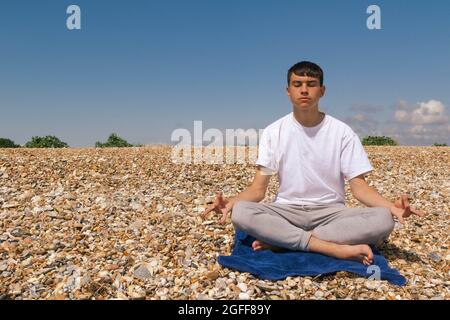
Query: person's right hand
(220, 205)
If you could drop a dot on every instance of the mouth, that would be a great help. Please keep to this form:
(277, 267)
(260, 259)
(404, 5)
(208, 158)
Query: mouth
(304, 99)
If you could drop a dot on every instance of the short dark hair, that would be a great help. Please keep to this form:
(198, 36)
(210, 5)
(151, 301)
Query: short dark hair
(306, 68)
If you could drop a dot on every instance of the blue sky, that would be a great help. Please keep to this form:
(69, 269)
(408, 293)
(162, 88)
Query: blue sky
(144, 68)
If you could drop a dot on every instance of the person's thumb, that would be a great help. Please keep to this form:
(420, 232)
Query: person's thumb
(224, 216)
(225, 210)
(398, 214)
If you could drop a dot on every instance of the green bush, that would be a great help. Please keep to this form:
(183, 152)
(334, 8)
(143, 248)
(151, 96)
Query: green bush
(7, 143)
(439, 145)
(46, 142)
(378, 141)
(114, 141)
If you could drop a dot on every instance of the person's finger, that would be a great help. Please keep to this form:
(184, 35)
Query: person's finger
(220, 198)
(406, 200)
(419, 213)
(216, 201)
(225, 210)
(207, 210)
(224, 217)
(399, 216)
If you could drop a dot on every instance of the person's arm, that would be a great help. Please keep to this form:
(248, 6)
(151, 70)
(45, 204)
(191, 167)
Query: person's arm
(371, 198)
(366, 194)
(256, 192)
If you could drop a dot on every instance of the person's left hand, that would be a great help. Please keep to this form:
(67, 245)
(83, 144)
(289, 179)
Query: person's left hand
(402, 210)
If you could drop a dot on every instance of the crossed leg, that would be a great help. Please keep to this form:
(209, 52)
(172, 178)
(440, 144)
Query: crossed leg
(342, 233)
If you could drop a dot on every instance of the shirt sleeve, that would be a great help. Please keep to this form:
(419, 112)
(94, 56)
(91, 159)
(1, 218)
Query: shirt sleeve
(267, 153)
(354, 159)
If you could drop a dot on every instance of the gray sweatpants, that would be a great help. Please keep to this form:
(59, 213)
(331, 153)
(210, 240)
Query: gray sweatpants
(291, 226)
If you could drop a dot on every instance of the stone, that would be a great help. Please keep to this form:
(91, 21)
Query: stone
(213, 275)
(242, 287)
(244, 296)
(434, 256)
(107, 224)
(144, 271)
(319, 294)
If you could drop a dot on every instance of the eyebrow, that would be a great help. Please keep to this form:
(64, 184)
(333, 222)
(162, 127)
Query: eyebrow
(309, 81)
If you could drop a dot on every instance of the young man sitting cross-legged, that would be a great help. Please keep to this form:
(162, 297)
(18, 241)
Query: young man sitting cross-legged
(312, 152)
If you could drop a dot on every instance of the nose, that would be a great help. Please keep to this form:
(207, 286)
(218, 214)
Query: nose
(304, 89)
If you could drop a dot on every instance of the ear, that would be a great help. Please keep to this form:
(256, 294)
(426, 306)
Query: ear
(287, 92)
(322, 91)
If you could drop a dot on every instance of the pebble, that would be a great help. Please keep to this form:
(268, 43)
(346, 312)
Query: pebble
(264, 286)
(136, 292)
(124, 224)
(318, 294)
(213, 275)
(144, 271)
(242, 287)
(434, 256)
(244, 296)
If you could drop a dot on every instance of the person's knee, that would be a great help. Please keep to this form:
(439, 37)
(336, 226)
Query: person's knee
(385, 222)
(240, 214)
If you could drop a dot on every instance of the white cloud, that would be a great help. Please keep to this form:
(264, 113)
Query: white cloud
(401, 116)
(431, 112)
(423, 123)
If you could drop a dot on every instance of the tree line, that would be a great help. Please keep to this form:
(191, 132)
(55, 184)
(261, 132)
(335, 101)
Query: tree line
(114, 141)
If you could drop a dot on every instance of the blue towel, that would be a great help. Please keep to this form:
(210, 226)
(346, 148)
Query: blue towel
(266, 264)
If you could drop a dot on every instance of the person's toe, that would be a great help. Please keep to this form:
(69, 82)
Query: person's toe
(256, 245)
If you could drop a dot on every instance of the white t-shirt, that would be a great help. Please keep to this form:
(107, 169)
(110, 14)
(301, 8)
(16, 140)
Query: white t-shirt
(312, 162)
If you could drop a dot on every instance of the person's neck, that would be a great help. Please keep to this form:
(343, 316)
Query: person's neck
(309, 118)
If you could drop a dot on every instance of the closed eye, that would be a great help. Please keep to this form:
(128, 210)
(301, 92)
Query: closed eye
(309, 83)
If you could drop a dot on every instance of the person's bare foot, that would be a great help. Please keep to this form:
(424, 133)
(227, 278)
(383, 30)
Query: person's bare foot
(360, 252)
(259, 245)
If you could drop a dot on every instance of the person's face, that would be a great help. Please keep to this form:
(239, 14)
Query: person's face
(304, 92)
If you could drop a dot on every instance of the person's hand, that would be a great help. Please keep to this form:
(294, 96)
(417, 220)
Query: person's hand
(220, 205)
(402, 210)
